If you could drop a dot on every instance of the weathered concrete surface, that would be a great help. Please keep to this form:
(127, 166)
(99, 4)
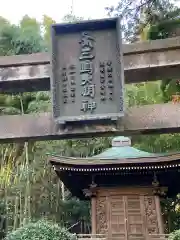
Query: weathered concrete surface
(149, 119)
(147, 61)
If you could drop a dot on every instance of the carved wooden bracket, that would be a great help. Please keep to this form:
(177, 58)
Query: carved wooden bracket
(160, 191)
(157, 190)
(91, 191)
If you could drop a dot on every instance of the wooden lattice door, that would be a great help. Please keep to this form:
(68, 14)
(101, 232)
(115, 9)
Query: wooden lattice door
(135, 217)
(126, 216)
(117, 217)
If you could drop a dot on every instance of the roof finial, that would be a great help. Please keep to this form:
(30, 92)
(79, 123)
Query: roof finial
(121, 142)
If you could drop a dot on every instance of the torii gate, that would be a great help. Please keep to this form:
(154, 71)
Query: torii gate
(147, 61)
(151, 60)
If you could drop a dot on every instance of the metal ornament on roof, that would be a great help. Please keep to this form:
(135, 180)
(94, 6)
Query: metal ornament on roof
(87, 71)
(121, 142)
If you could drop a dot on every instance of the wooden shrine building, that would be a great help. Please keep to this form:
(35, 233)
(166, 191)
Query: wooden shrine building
(125, 186)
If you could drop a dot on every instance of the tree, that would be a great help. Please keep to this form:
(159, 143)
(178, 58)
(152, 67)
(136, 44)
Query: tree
(47, 22)
(23, 39)
(136, 15)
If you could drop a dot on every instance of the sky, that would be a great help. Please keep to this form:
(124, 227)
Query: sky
(14, 10)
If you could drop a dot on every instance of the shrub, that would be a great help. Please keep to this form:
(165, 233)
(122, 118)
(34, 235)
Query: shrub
(175, 235)
(40, 230)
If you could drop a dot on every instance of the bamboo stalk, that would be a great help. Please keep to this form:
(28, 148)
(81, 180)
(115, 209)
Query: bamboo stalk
(27, 209)
(16, 214)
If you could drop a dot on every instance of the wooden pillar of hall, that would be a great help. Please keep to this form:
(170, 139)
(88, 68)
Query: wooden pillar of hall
(159, 215)
(93, 215)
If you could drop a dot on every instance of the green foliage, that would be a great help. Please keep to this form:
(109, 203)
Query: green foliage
(30, 23)
(163, 29)
(47, 22)
(136, 15)
(143, 93)
(169, 88)
(40, 230)
(175, 235)
(3, 23)
(171, 213)
(159, 24)
(7, 36)
(21, 39)
(75, 210)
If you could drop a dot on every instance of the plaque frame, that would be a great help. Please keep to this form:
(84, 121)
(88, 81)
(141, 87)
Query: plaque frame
(78, 27)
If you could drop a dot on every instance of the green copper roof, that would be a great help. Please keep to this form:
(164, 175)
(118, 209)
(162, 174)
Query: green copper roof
(121, 148)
